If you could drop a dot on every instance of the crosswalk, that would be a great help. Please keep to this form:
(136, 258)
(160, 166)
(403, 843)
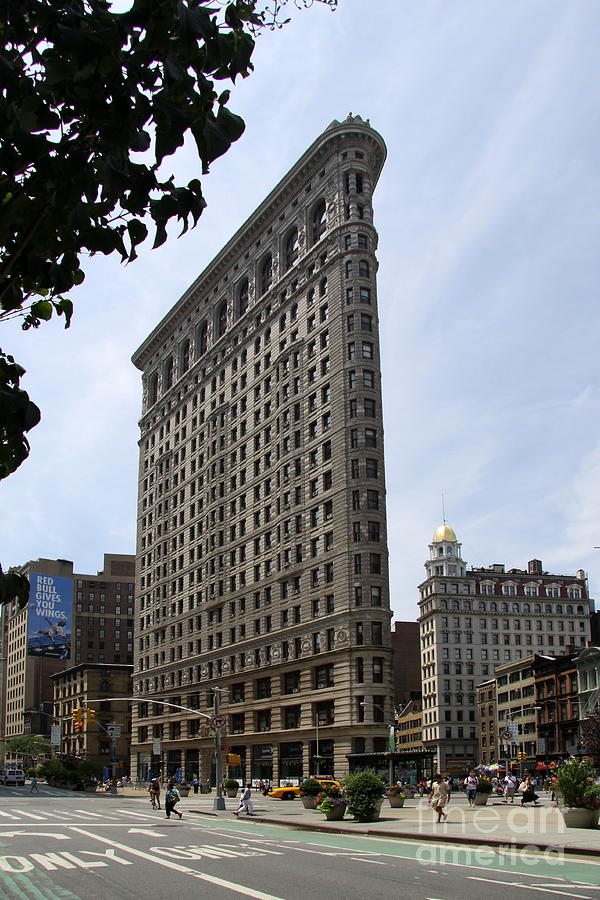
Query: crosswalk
(61, 816)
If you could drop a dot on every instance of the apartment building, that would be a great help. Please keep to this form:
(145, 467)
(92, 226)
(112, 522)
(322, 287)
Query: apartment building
(70, 618)
(472, 620)
(262, 545)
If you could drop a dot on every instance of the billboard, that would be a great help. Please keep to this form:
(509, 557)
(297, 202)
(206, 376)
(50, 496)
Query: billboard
(49, 620)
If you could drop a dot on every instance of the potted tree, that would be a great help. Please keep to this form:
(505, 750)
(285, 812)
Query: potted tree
(578, 795)
(333, 804)
(484, 789)
(364, 791)
(231, 786)
(396, 796)
(309, 792)
(183, 789)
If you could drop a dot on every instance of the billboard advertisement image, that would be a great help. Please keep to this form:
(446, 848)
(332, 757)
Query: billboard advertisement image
(49, 628)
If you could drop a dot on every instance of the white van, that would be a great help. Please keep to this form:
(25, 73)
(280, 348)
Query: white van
(12, 776)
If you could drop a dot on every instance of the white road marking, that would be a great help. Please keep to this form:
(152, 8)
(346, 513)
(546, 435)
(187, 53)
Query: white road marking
(29, 815)
(8, 815)
(168, 864)
(529, 887)
(59, 837)
(144, 830)
(94, 815)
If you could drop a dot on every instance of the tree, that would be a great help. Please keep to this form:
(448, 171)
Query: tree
(92, 103)
(590, 734)
(31, 745)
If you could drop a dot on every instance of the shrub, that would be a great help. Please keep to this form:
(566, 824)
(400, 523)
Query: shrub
(230, 784)
(310, 788)
(575, 783)
(364, 791)
(484, 786)
(396, 791)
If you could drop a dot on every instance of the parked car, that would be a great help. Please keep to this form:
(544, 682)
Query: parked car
(12, 776)
(290, 793)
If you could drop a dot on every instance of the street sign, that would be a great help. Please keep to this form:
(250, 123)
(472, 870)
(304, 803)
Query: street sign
(156, 747)
(55, 736)
(218, 721)
(506, 735)
(113, 731)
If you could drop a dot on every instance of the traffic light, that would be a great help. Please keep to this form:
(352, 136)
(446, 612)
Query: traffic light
(78, 716)
(78, 727)
(90, 715)
(522, 756)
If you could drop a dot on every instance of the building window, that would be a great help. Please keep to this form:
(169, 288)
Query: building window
(319, 221)
(291, 248)
(266, 274)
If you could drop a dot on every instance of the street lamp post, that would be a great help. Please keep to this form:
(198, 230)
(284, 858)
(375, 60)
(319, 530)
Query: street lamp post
(218, 802)
(317, 758)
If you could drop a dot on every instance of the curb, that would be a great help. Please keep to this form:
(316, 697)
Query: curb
(404, 835)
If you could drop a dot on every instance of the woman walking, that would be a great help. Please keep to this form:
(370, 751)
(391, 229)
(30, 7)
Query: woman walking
(440, 792)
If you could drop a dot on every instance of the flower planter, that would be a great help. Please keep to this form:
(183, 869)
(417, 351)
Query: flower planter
(231, 794)
(183, 792)
(396, 802)
(372, 816)
(579, 818)
(336, 813)
(309, 802)
(481, 799)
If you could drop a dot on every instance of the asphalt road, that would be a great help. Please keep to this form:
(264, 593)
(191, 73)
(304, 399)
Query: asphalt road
(64, 846)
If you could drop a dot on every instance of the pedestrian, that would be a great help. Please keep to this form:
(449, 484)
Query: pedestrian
(471, 783)
(154, 790)
(172, 797)
(195, 785)
(440, 794)
(246, 802)
(34, 784)
(528, 795)
(510, 786)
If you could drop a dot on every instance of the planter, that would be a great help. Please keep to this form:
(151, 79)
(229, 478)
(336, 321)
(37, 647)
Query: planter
(336, 813)
(231, 793)
(396, 802)
(481, 799)
(373, 816)
(309, 802)
(183, 792)
(579, 818)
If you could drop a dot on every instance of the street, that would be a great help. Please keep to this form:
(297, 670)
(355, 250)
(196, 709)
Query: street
(60, 845)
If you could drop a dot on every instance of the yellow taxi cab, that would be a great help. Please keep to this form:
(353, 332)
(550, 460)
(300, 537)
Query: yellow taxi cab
(290, 793)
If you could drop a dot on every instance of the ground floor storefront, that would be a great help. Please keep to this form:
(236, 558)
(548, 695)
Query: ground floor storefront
(278, 761)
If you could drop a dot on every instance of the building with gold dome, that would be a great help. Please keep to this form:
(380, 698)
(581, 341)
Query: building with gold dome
(472, 620)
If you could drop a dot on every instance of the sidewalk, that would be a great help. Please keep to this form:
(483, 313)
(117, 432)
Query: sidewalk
(493, 825)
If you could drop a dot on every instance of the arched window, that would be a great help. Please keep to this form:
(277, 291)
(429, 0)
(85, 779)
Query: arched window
(537, 608)
(467, 606)
(547, 609)
(169, 373)
(243, 297)
(504, 607)
(319, 221)
(266, 274)
(493, 606)
(291, 248)
(202, 339)
(481, 606)
(363, 268)
(580, 610)
(153, 392)
(222, 319)
(443, 604)
(559, 609)
(526, 608)
(569, 609)
(185, 356)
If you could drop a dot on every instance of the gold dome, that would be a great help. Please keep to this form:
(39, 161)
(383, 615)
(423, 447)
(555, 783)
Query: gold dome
(443, 533)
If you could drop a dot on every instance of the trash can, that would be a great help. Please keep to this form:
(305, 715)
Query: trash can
(204, 788)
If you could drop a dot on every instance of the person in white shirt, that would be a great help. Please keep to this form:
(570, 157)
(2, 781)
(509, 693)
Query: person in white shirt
(246, 802)
(510, 786)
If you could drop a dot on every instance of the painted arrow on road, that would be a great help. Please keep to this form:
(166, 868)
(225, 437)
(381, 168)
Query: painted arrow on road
(59, 837)
(145, 831)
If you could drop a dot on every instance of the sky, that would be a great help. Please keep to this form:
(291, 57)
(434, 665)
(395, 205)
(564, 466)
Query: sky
(488, 213)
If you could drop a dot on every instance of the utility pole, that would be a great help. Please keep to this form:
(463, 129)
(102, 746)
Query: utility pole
(218, 802)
